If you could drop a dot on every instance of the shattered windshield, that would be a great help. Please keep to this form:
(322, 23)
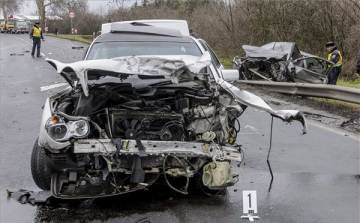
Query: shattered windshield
(107, 50)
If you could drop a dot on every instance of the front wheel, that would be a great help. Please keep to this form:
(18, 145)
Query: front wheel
(40, 170)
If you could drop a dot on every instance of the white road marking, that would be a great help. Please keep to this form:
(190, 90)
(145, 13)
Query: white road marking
(338, 132)
(252, 128)
(23, 40)
(45, 88)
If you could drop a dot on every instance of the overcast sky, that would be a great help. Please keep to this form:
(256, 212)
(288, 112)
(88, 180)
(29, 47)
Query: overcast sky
(29, 6)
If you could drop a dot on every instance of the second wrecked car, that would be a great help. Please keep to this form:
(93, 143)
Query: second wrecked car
(282, 62)
(128, 121)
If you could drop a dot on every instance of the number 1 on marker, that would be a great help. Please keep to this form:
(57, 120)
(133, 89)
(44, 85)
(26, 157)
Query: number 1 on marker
(249, 201)
(249, 195)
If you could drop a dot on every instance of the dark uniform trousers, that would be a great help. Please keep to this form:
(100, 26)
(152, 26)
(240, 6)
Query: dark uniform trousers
(334, 74)
(36, 44)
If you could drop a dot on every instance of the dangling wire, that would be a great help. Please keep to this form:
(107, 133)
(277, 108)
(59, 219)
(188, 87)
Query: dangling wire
(268, 162)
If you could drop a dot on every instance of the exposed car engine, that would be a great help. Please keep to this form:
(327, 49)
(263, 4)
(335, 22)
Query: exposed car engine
(139, 117)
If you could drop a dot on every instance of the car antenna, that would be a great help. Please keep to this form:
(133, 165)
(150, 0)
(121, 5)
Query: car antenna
(267, 160)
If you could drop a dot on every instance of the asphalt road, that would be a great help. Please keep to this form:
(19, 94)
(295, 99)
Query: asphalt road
(316, 176)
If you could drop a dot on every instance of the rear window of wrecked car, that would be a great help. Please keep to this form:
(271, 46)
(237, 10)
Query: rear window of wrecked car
(107, 50)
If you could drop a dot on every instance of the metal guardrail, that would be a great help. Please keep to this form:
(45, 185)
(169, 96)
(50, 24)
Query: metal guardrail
(313, 90)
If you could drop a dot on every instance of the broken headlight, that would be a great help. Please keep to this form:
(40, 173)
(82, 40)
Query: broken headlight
(59, 130)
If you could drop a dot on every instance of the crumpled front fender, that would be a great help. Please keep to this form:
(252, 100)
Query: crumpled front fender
(249, 99)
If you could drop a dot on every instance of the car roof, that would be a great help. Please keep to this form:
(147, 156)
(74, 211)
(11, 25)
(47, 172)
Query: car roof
(141, 32)
(179, 25)
(141, 37)
(137, 27)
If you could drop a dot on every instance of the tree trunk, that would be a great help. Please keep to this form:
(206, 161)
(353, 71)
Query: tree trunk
(3, 8)
(41, 9)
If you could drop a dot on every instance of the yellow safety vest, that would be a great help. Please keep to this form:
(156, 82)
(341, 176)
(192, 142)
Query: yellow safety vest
(339, 63)
(37, 32)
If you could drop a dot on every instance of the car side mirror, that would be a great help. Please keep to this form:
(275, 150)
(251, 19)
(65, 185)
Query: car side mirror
(231, 75)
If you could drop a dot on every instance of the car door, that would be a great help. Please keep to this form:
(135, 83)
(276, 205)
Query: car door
(315, 65)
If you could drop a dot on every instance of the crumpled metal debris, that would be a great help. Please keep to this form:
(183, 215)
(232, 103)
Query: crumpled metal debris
(31, 197)
(77, 47)
(354, 121)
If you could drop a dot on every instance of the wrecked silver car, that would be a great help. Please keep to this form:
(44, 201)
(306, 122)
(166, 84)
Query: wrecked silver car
(129, 121)
(282, 62)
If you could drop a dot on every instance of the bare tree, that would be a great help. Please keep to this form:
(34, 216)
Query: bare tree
(58, 6)
(9, 7)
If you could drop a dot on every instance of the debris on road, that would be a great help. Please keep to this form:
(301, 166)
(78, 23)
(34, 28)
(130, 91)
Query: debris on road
(17, 54)
(354, 121)
(31, 197)
(77, 47)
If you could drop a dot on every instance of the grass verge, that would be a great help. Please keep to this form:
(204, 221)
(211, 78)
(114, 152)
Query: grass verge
(342, 104)
(80, 38)
(345, 83)
(226, 60)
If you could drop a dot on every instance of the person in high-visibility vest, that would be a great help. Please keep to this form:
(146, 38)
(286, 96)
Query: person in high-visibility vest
(36, 34)
(335, 57)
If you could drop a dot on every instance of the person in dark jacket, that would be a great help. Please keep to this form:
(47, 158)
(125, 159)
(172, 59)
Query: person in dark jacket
(336, 57)
(36, 34)
(358, 65)
(193, 34)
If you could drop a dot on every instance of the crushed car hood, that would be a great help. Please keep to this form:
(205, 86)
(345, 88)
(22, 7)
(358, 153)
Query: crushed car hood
(259, 52)
(122, 67)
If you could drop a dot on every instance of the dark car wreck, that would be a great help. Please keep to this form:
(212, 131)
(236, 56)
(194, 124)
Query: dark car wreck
(282, 62)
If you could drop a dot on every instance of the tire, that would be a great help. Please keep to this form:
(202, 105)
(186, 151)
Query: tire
(40, 170)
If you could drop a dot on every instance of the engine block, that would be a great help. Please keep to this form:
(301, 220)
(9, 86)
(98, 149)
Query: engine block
(147, 125)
